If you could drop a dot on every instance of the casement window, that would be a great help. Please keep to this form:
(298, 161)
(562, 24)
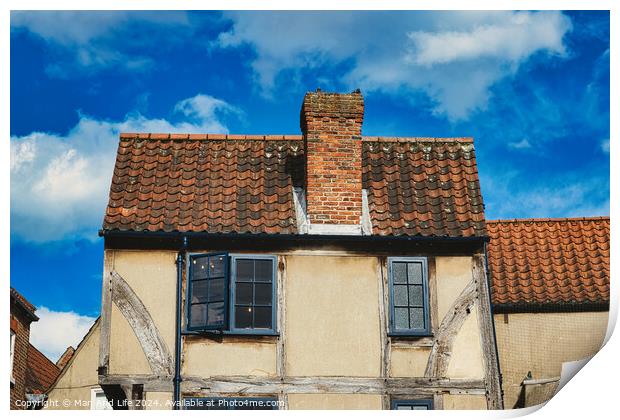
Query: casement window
(408, 288)
(221, 403)
(412, 404)
(232, 293)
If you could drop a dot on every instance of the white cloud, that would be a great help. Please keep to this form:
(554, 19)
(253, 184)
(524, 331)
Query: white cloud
(454, 57)
(605, 146)
(520, 145)
(55, 331)
(565, 195)
(60, 184)
(95, 40)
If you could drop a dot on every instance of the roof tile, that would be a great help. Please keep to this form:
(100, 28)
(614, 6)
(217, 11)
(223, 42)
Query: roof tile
(549, 261)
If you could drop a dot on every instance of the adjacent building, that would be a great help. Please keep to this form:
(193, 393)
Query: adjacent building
(32, 372)
(550, 288)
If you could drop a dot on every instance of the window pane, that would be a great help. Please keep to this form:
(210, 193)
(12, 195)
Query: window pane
(401, 318)
(416, 295)
(420, 407)
(216, 313)
(414, 271)
(216, 266)
(243, 317)
(245, 270)
(399, 273)
(262, 293)
(400, 295)
(198, 315)
(199, 291)
(263, 270)
(403, 407)
(243, 293)
(262, 317)
(417, 318)
(216, 290)
(199, 268)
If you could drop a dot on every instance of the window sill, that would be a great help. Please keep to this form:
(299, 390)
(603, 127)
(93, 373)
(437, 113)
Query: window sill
(411, 335)
(232, 333)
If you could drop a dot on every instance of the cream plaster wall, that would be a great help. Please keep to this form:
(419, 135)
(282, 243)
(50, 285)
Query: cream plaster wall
(79, 377)
(541, 342)
(332, 316)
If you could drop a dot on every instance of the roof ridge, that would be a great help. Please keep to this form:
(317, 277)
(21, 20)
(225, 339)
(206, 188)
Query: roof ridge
(282, 137)
(549, 219)
(187, 136)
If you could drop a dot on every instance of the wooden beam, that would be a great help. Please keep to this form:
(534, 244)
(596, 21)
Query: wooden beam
(441, 352)
(281, 318)
(330, 385)
(106, 310)
(487, 335)
(152, 343)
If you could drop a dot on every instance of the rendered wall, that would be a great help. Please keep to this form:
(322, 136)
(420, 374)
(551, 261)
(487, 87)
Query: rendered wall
(409, 357)
(331, 320)
(152, 276)
(332, 316)
(79, 377)
(541, 342)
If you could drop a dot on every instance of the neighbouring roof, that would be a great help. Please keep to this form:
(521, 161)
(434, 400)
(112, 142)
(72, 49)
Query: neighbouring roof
(24, 304)
(244, 184)
(41, 372)
(549, 262)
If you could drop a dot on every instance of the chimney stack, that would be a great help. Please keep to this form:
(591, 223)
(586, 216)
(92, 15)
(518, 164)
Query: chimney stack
(331, 124)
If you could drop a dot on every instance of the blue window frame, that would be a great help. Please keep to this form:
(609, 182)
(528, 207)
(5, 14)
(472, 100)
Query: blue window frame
(426, 404)
(253, 293)
(408, 288)
(207, 298)
(232, 293)
(230, 403)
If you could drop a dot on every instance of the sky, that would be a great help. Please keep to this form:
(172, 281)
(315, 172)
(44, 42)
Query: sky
(532, 88)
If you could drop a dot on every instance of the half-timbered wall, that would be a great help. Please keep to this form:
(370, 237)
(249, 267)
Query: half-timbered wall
(333, 349)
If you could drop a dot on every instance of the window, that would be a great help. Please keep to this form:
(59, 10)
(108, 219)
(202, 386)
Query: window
(98, 400)
(12, 355)
(232, 293)
(221, 403)
(408, 281)
(412, 404)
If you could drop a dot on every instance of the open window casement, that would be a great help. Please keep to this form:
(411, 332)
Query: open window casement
(208, 285)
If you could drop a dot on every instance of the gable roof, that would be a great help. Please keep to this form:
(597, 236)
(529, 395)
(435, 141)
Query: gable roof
(538, 263)
(244, 184)
(41, 372)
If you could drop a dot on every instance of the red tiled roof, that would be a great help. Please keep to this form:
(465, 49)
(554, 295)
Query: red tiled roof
(244, 184)
(41, 372)
(549, 261)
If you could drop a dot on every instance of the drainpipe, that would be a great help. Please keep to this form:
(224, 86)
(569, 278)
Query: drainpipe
(179, 320)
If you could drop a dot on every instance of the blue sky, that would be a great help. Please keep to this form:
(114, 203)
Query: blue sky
(532, 88)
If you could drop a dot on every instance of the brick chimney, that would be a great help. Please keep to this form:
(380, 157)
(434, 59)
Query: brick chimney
(331, 124)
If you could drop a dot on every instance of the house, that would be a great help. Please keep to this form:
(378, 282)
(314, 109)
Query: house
(77, 385)
(324, 270)
(550, 289)
(22, 315)
(31, 371)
